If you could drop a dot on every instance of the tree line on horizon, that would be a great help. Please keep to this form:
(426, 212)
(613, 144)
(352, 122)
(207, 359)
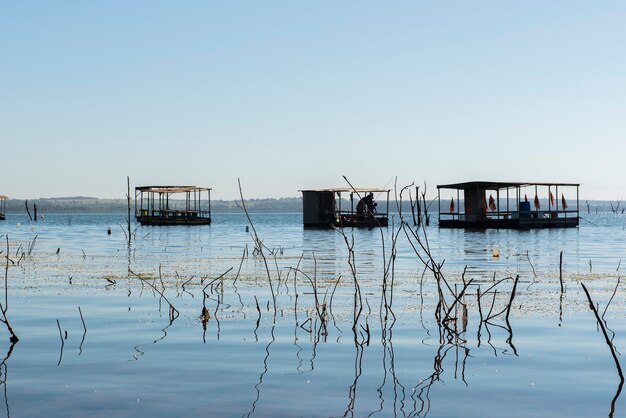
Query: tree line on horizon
(85, 204)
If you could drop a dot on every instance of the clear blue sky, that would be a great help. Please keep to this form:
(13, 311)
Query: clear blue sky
(293, 94)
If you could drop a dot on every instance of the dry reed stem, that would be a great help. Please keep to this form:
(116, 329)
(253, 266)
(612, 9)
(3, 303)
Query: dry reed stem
(173, 312)
(259, 246)
(602, 325)
(5, 307)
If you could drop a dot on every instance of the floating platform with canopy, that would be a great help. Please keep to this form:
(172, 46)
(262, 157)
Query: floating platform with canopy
(488, 204)
(157, 205)
(323, 207)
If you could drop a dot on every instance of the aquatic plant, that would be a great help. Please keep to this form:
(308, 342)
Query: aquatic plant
(4, 307)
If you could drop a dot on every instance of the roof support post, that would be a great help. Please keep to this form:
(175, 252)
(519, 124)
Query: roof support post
(498, 203)
(507, 200)
(439, 202)
(387, 213)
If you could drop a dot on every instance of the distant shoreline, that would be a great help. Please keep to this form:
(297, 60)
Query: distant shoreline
(82, 204)
(95, 205)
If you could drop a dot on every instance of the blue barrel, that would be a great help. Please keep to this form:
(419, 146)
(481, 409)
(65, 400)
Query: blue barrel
(524, 210)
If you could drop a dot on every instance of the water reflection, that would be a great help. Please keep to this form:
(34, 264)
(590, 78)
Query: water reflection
(257, 387)
(223, 303)
(4, 377)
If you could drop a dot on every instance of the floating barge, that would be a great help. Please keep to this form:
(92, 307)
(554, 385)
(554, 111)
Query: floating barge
(153, 205)
(322, 208)
(484, 204)
(3, 207)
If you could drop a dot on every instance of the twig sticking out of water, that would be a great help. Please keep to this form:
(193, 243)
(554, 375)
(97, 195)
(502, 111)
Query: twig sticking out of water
(130, 234)
(447, 310)
(161, 279)
(258, 320)
(612, 296)
(259, 245)
(320, 307)
(84, 333)
(205, 315)
(62, 342)
(508, 312)
(31, 245)
(602, 325)
(386, 300)
(415, 206)
(614, 210)
(480, 312)
(243, 256)
(28, 211)
(561, 271)
(332, 295)
(389, 265)
(358, 300)
(4, 307)
(531, 264)
(426, 215)
(173, 312)
(457, 299)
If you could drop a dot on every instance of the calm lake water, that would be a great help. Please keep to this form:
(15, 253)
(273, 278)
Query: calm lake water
(132, 359)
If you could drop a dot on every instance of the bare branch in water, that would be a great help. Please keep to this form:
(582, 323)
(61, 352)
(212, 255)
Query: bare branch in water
(62, 342)
(531, 264)
(173, 312)
(601, 324)
(4, 307)
(84, 333)
(259, 245)
(592, 306)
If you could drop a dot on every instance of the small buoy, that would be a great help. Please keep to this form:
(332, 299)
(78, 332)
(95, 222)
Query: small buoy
(109, 231)
(495, 253)
(247, 228)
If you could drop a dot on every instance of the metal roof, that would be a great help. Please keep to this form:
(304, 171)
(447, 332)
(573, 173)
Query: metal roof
(499, 185)
(170, 189)
(2, 197)
(349, 189)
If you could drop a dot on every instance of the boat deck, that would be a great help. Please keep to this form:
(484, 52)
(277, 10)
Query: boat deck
(174, 217)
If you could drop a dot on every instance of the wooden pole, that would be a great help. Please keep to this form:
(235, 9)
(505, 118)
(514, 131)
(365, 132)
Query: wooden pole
(561, 270)
(128, 201)
(28, 211)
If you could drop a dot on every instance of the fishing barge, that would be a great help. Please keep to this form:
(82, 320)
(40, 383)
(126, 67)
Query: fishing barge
(157, 205)
(322, 208)
(486, 204)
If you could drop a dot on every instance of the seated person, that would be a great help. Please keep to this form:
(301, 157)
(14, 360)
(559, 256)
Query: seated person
(360, 207)
(371, 205)
(366, 205)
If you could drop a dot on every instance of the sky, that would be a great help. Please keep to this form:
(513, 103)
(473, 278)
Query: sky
(291, 95)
